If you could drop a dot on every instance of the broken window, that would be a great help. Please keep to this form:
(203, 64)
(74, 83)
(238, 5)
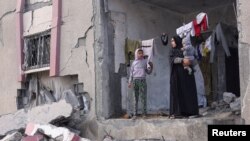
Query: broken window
(36, 51)
(21, 99)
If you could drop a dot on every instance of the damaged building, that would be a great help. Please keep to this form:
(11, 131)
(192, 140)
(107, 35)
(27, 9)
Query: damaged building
(73, 53)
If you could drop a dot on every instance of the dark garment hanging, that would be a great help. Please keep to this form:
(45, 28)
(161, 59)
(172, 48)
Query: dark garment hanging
(164, 39)
(196, 40)
(199, 54)
(130, 47)
(225, 36)
(183, 93)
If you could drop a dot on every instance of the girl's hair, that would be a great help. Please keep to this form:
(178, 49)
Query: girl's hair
(139, 50)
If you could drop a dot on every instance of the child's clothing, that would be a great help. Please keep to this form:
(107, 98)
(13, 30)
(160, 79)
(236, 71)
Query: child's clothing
(189, 53)
(138, 73)
(140, 91)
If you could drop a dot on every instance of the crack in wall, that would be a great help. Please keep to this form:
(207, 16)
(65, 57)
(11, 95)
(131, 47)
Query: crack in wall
(32, 17)
(66, 64)
(7, 13)
(86, 58)
(82, 42)
(1, 34)
(1, 28)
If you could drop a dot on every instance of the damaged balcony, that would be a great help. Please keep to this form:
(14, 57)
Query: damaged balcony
(36, 53)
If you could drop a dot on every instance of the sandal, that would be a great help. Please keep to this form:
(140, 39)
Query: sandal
(172, 117)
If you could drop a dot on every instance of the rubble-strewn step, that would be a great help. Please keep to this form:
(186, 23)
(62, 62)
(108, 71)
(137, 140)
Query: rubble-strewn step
(194, 129)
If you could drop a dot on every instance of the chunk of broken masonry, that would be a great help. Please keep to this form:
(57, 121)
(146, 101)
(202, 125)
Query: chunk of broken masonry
(228, 97)
(16, 136)
(41, 114)
(52, 131)
(36, 137)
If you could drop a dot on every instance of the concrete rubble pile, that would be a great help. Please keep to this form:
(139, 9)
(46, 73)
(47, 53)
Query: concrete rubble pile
(50, 122)
(230, 103)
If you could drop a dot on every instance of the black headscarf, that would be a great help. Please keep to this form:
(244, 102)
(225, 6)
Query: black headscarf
(176, 51)
(178, 41)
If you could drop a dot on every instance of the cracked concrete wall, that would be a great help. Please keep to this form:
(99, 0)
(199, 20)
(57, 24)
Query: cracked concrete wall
(37, 21)
(8, 57)
(244, 56)
(76, 50)
(101, 60)
(140, 21)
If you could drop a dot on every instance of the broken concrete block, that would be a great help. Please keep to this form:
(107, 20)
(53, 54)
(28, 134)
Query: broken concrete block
(84, 139)
(46, 113)
(29, 128)
(228, 97)
(214, 105)
(108, 138)
(12, 122)
(36, 137)
(41, 114)
(71, 98)
(235, 106)
(52, 131)
(16, 136)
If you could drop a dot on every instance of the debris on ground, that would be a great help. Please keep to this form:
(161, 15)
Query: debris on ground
(230, 104)
(43, 123)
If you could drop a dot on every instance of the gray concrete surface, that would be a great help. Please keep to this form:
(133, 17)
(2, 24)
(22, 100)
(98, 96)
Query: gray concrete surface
(244, 58)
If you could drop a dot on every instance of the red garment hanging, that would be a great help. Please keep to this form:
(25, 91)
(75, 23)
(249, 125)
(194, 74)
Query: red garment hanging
(202, 26)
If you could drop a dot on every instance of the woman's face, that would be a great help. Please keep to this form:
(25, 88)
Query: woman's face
(173, 44)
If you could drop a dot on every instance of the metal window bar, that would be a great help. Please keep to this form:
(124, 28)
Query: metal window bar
(36, 51)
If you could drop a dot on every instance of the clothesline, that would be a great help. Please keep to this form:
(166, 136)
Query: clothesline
(210, 9)
(156, 37)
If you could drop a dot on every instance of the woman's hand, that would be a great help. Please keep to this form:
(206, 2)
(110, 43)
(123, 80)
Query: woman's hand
(186, 62)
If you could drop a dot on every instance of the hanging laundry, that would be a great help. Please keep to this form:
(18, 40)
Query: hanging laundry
(218, 38)
(198, 53)
(148, 47)
(184, 30)
(208, 43)
(130, 47)
(203, 49)
(197, 40)
(164, 39)
(200, 24)
(200, 86)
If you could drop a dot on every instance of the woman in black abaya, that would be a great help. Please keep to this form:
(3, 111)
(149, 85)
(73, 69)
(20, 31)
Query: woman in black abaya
(183, 94)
